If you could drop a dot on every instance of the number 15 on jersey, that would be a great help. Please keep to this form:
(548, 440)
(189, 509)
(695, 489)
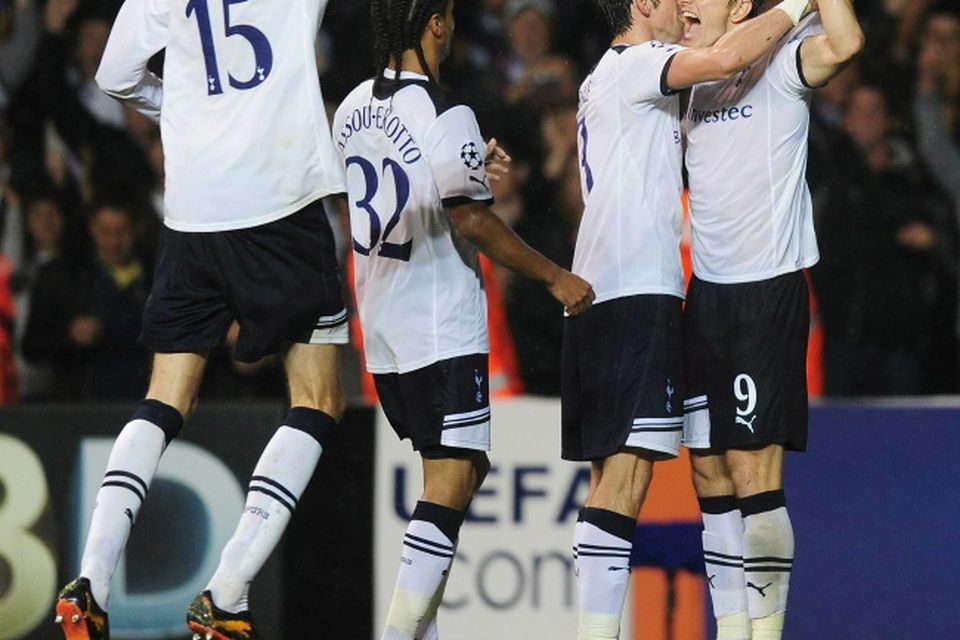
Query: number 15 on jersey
(263, 53)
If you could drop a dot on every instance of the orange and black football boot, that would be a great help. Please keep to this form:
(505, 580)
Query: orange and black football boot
(79, 615)
(210, 623)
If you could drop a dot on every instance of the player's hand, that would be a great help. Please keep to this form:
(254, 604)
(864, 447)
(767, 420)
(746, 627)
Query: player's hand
(8, 193)
(496, 160)
(85, 331)
(574, 293)
(917, 236)
(57, 13)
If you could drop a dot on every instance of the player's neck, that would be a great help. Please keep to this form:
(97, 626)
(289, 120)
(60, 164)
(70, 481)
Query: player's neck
(636, 34)
(411, 62)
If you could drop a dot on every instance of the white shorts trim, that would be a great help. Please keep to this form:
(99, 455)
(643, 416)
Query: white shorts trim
(474, 434)
(656, 434)
(331, 330)
(696, 423)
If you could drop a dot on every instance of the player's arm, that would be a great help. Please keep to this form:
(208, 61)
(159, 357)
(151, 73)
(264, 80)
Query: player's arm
(737, 49)
(478, 224)
(138, 33)
(824, 56)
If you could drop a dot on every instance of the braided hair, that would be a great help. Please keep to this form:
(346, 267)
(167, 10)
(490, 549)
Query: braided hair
(398, 25)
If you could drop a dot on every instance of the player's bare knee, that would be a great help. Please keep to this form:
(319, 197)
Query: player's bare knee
(749, 479)
(334, 405)
(710, 475)
(331, 401)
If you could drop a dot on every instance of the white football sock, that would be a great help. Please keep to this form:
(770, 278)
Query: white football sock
(429, 546)
(723, 557)
(279, 479)
(604, 542)
(768, 548)
(131, 466)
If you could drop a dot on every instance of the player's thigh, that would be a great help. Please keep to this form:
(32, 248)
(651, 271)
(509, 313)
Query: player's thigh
(175, 379)
(313, 377)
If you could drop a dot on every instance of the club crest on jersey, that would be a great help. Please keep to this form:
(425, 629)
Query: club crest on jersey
(471, 156)
(478, 380)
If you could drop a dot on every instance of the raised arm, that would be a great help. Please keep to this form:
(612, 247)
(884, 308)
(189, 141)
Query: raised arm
(139, 32)
(478, 224)
(737, 49)
(824, 56)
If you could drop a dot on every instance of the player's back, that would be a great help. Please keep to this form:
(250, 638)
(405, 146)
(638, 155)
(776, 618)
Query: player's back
(630, 158)
(406, 148)
(244, 128)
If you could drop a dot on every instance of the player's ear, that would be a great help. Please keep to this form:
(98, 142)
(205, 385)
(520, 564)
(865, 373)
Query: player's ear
(645, 7)
(741, 11)
(435, 25)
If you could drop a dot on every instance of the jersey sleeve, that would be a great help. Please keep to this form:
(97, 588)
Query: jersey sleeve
(644, 71)
(455, 150)
(139, 32)
(786, 62)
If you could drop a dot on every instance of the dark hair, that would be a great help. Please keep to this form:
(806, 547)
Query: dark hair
(397, 26)
(757, 8)
(617, 14)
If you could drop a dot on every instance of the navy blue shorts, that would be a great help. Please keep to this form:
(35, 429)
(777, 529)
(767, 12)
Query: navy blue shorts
(746, 362)
(280, 281)
(622, 378)
(444, 408)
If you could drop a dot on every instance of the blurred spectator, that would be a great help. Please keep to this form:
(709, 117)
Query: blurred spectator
(937, 101)
(936, 111)
(32, 239)
(882, 253)
(91, 132)
(487, 37)
(19, 34)
(546, 216)
(826, 129)
(528, 28)
(8, 369)
(85, 320)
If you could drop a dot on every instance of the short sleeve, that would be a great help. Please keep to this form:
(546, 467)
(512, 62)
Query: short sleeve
(643, 72)
(456, 150)
(787, 65)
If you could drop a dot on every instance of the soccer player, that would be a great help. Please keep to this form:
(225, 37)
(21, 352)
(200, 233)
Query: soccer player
(419, 198)
(622, 402)
(747, 314)
(249, 159)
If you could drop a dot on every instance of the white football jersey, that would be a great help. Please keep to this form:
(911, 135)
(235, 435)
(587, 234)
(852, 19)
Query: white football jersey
(408, 156)
(751, 211)
(245, 134)
(630, 159)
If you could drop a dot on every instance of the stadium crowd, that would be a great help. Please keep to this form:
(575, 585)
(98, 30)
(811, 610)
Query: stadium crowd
(81, 178)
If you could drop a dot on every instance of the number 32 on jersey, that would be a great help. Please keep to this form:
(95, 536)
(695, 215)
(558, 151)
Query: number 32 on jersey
(372, 178)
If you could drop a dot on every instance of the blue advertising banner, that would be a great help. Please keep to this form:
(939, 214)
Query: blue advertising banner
(877, 519)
